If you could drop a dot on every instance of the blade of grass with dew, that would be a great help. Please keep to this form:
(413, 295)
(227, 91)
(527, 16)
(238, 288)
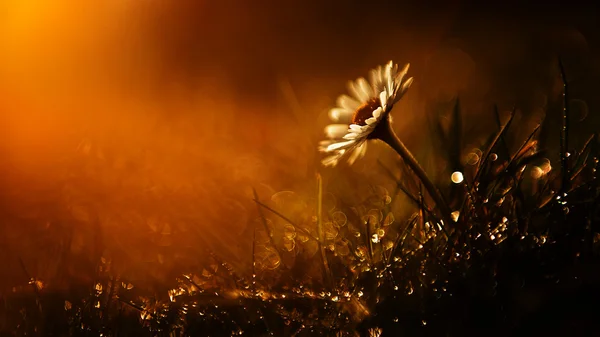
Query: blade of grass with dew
(253, 281)
(422, 214)
(515, 168)
(453, 151)
(455, 139)
(519, 197)
(499, 124)
(469, 201)
(34, 285)
(525, 146)
(230, 270)
(283, 217)
(326, 271)
(112, 292)
(132, 305)
(390, 137)
(564, 132)
(368, 242)
(583, 156)
(399, 185)
(424, 211)
(191, 281)
(488, 151)
(266, 226)
(511, 167)
(595, 150)
(420, 204)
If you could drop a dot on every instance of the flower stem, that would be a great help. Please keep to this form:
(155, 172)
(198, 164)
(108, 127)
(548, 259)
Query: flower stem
(386, 133)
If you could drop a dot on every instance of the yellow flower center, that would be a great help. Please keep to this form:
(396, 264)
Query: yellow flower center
(365, 111)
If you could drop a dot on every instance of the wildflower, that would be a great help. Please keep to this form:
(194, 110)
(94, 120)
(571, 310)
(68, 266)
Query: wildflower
(365, 115)
(368, 115)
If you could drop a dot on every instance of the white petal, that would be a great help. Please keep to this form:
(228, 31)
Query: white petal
(365, 89)
(331, 160)
(402, 90)
(357, 153)
(334, 131)
(407, 84)
(377, 112)
(355, 128)
(371, 121)
(351, 86)
(340, 145)
(353, 89)
(402, 73)
(377, 78)
(347, 102)
(362, 149)
(351, 135)
(383, 98)
(323, 146)
(337, 114)
(367, 129)
(360, 89)
(389, 80)
(393, 70)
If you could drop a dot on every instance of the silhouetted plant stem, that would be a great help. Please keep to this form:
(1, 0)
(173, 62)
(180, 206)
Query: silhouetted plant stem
(387, 134)
(564, 132)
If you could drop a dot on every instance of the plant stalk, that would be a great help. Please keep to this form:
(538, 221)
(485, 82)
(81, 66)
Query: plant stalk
(386, 133)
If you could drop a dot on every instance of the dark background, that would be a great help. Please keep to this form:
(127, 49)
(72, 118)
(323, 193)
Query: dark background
(485, 52)
(511, 43)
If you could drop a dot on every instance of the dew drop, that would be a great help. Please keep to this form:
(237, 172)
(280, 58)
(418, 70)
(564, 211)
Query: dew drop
(457, 177)
(537, 172)
(339, 219)
(375, 238)
(455, 215)
(472, 158)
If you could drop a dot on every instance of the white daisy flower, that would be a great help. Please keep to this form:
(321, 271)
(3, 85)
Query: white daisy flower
(365, 114)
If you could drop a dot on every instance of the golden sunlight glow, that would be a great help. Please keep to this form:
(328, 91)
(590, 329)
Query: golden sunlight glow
(92, 106)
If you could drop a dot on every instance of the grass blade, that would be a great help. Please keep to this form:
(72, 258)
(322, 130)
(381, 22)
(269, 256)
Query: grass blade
(583, 156)
(400, 186)
(499, 124)
(267, 229)
(489, 150)
(455, 141)
(564, 132)
(286, 219)
(325, 263)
